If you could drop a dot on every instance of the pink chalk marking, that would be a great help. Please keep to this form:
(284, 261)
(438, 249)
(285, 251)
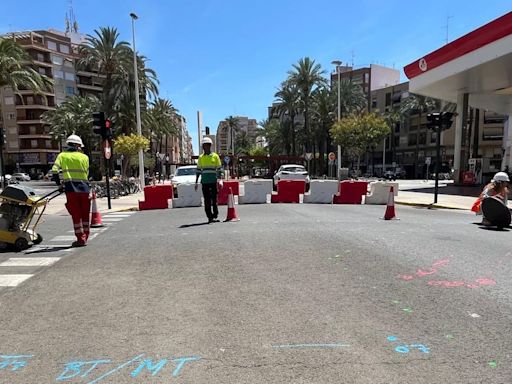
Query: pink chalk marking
(440, 263)
(472, 286)
(421, 272)
(406, 277)
(435, 283)
(450, 284)
(485, 282)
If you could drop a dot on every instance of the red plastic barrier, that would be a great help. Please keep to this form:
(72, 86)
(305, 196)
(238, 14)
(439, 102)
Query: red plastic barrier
(351, 192)
(156, 197)
(289, 191)
(222, 197)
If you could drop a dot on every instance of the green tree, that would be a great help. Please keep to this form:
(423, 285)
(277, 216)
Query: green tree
(161, 120)
(243, 143)
(129, 147)
(418, 105)
(356, 133)
(74, 116)
(232, 125)
(287, 98)
(277, 137)
(111, 58)
(307, 76)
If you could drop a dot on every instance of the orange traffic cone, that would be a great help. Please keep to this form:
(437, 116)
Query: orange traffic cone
(390, 208)
(232, 216)
(95, 216)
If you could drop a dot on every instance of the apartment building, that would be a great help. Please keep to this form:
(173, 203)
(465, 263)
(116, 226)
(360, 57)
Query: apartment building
(30, 147)
(483, 137)
(225, 138)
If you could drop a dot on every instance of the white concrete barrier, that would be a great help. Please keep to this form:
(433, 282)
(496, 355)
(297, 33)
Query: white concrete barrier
(188, 196)
(255, 191)
(321, 191)
(379, 192)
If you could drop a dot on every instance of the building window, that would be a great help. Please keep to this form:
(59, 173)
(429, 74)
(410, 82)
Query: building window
(374, 103)
(9, 100)
(68, 63)
(69, 76)
(40, 57)
(433, 138)
(64, 48)
(13, 144)
(33, 143)
(423, 138)
(493, 118)
(70, 91)
(57, 60)
(388, 99)
(52, 45)
(48, 144)
(412, 139)
(11, 116)
(366, 78)
(58, 74)
(41, 71)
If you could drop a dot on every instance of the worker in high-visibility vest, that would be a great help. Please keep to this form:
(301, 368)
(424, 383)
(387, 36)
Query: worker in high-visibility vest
(75, 172)
(209, 168)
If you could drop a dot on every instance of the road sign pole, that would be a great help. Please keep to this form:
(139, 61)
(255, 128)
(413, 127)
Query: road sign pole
(106, 146)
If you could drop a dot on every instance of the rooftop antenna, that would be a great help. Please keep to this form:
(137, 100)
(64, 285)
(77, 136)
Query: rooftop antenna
(71, 23)
(353, 55)
(447, 26)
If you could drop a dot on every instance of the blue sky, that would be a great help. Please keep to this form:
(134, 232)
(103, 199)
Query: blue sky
(226, 57)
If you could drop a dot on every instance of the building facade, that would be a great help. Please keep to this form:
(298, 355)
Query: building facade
(225, 138)
(482, 138)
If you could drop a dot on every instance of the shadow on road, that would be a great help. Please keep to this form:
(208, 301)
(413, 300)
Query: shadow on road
(493, 228)
(47, 249)
(192, 225)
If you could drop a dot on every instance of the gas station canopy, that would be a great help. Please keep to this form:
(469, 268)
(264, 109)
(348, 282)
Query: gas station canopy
(478, 64)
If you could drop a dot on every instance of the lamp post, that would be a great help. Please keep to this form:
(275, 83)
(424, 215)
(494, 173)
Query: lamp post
(137, 101)
(337, 63)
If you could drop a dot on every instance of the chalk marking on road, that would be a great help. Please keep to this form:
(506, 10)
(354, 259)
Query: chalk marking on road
(29, 261)
(299, 346)
(13, 280)
(116, 369)
(63, 238)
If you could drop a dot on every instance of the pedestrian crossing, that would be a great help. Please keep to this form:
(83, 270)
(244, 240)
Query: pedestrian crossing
(16, 270)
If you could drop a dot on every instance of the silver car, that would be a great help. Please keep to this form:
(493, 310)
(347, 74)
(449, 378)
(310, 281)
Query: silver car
(292, 172)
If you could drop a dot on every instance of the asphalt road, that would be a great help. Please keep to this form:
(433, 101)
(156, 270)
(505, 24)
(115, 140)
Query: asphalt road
(290, 294)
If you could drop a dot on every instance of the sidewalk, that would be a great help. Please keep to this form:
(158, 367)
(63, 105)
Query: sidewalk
(443, 201)
(124, 203)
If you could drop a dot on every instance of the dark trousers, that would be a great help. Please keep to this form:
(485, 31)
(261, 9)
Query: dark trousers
(210, 200)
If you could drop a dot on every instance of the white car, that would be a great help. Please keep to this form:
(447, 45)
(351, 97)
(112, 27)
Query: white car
(21, 176)
(184, 175)
(292, 172)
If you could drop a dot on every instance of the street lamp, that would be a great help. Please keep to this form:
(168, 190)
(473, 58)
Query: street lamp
(337, 63)
(137, 101)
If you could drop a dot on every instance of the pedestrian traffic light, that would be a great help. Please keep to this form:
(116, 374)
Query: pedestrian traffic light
(3, 138)
(108, 129)
(98, 124)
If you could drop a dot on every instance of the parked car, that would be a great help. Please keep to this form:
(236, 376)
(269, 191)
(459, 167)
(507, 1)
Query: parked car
(292, 172)
(183, 175)
(394, 175)
(21, 176)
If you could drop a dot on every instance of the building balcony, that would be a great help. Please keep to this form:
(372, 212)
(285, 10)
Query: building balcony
(42, 63)
(35, 106)
(89, 74)
(23, 121)
(90, 87)
(30, 92)
(35, 136)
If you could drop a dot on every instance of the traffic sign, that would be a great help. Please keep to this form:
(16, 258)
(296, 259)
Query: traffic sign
(309, 156)
(428, 160)
(107, 149)
(332, 156)
(227, 159)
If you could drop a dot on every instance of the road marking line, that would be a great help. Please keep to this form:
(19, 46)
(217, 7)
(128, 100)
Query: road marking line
(116, 215)
(93, 236)
(13, 280)
(113, 219)
(49, 248)
(29, 261)
(63, 238)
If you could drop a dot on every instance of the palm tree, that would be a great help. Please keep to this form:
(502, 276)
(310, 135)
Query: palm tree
(74, 116)
(323, 117)
(352, 98)
(287, 108)
(161, 120)
(307, 76)
(418, 104)
(244, 142)
(110, 57)
(277, 137)
(393, 118)
(232, 124)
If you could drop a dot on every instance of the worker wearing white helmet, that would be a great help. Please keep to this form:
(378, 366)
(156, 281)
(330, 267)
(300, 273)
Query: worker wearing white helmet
(498, 187)
(75, 173)
(209, 168)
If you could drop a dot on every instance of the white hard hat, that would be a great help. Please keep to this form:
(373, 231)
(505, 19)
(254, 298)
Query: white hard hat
(501, 176)
(207, 140)
(74, 139)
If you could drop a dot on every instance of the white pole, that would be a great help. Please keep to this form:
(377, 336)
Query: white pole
(137, 101)
(459, 124)
(339, 118)
(384, 157)
(199, 130)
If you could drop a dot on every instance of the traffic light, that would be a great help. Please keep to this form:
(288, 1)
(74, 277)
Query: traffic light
(98, 124)
(3, 138)
(442, 120)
